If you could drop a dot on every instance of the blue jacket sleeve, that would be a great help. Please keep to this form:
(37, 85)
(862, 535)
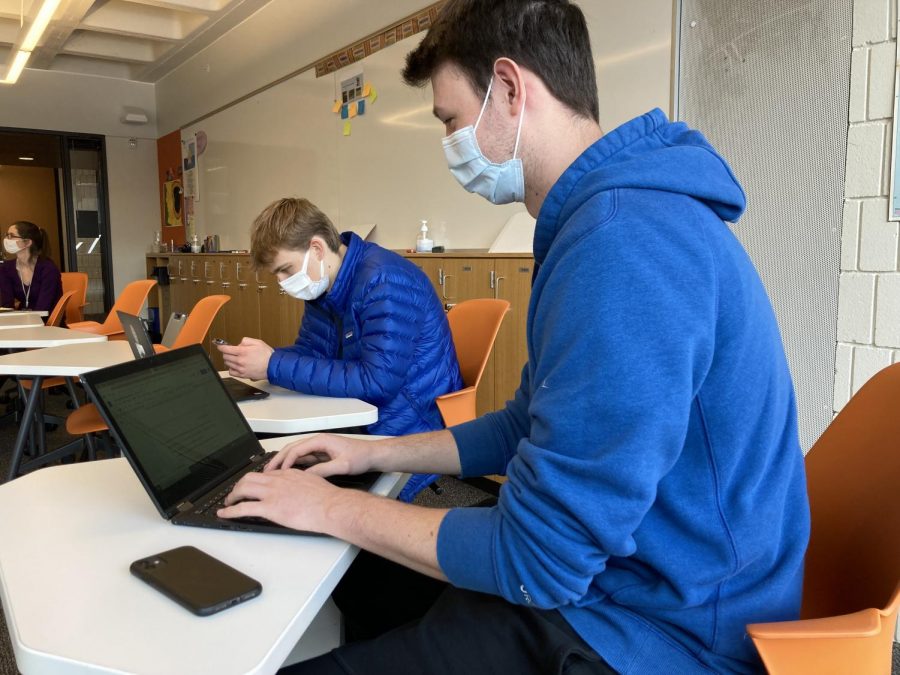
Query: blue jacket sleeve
(614, 372)
(486, 444)
(387, 338)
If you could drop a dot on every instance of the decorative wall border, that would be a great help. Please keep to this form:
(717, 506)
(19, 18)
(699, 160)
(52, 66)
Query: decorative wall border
(404, 28)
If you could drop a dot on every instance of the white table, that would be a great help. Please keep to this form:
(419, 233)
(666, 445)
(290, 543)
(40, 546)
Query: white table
(19, 319)
(35, 338)
(31, 337)
(290, 412)
(283, 412)
(73, 607)
(7, 312)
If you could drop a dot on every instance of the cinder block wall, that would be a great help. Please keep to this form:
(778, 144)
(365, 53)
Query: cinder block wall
(868, 329)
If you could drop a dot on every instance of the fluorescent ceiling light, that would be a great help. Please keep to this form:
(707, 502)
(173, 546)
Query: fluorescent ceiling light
(39, 25)
(18, 65)
(27, 159)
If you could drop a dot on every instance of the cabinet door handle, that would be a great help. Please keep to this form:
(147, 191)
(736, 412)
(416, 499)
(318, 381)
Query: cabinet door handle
(497, 289)
(449, 305)
(493, 281)
(281, 291)
(444, 286)
(226, 284)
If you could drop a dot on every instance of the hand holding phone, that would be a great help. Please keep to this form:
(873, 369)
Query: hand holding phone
(196, 580)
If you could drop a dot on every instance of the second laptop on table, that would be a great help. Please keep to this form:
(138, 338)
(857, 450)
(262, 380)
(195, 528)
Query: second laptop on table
(142, 347)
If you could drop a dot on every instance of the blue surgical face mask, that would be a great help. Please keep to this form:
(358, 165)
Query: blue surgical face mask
(301, 285)
(498, 183)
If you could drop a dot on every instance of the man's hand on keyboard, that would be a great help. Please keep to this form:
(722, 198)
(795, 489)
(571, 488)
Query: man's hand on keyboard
(325, 455)
(296, 499)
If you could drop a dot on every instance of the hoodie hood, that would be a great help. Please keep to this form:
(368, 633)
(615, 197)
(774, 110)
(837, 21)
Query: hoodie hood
(649, 153)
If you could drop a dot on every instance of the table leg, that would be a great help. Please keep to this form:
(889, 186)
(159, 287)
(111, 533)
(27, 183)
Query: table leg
(25, 426)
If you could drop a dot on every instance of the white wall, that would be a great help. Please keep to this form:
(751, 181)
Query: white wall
(66, 102)
(869, 299)
(134, 210)
(54, 101)
(279, 39)
(285, 141)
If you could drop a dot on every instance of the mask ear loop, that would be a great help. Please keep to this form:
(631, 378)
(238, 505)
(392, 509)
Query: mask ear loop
(305, 265)
(521, 120)
(487, 96)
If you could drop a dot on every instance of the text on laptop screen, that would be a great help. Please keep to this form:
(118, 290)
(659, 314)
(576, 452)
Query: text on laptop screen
(179, 423)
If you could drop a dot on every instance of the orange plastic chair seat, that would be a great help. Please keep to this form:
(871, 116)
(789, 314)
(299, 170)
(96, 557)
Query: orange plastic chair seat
(47, 383)
(85, 420)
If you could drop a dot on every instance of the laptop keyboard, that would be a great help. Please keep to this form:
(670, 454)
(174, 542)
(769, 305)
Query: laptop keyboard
(217, 500)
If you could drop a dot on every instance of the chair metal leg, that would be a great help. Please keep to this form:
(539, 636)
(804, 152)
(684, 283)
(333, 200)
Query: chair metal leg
(25, 428)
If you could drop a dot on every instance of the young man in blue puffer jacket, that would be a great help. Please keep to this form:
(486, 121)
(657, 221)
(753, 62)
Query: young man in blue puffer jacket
(373, 328)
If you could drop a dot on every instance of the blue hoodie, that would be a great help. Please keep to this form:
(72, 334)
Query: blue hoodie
(656, 491)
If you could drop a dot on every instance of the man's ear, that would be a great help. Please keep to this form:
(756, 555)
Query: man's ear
(509, 85)
(317, 248)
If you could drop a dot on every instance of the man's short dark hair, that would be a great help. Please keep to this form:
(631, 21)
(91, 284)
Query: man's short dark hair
(549, 37)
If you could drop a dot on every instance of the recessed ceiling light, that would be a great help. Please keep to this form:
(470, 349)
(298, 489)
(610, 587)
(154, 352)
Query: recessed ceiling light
(27, 159)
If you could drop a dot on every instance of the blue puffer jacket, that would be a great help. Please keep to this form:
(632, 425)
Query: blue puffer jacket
(380, 335)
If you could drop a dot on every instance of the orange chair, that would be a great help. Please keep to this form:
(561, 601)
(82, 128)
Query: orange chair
(198, 322)
(851, 586)
(87, 419)
(56, 316)
(78, 283)
(129, 301)
(474, 325)
(55, 319)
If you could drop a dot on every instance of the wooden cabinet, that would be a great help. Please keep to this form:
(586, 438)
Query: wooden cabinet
(465, 275)
(259, 308)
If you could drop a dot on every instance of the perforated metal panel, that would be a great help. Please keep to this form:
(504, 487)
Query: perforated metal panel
(768, 82)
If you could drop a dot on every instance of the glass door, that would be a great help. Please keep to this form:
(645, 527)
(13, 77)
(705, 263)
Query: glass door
(87, 219)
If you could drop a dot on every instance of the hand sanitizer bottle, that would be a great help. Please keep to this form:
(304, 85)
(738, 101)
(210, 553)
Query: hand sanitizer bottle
(423, 243)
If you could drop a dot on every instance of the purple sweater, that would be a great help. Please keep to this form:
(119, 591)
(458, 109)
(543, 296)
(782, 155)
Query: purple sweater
(45, 289)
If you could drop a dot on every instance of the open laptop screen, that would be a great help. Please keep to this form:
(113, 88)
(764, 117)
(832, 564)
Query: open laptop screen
(176, 421)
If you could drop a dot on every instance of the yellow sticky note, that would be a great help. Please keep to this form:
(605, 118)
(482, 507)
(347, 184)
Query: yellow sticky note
(336, 107)
(347, 128)
(352, 111)
(366, 89)
(372, 94)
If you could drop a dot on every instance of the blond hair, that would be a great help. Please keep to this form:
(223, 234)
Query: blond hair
(289, 223)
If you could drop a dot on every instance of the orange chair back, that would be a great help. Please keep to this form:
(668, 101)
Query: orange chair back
(201, 317)
(56, 316)
(474, 325)
(851, 588)
(853, 474)
(130, 301)
(77, 282)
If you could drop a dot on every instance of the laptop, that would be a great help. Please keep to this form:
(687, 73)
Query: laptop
(136, 334)
(185, 437)
(142, 347)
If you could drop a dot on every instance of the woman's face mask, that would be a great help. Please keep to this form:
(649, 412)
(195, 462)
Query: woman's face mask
(498, 183)
(301, 286)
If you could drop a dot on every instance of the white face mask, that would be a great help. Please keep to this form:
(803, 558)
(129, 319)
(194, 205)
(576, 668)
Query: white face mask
(301, 286)
(498, 183)
(11, 246)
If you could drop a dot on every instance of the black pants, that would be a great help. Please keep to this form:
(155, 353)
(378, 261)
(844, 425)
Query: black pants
(401, 622)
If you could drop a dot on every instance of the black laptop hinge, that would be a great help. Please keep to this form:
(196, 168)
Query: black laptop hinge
(184, 507)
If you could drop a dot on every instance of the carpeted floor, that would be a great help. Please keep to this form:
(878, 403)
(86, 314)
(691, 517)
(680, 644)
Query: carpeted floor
(454, 493)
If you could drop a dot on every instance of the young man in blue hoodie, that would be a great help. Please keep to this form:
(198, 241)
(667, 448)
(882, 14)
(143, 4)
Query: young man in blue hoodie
(656, 499)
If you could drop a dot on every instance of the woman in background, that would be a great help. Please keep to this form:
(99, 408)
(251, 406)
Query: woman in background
(29, 278)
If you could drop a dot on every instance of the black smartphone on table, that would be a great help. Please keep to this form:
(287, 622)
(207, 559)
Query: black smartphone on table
(196, 580)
